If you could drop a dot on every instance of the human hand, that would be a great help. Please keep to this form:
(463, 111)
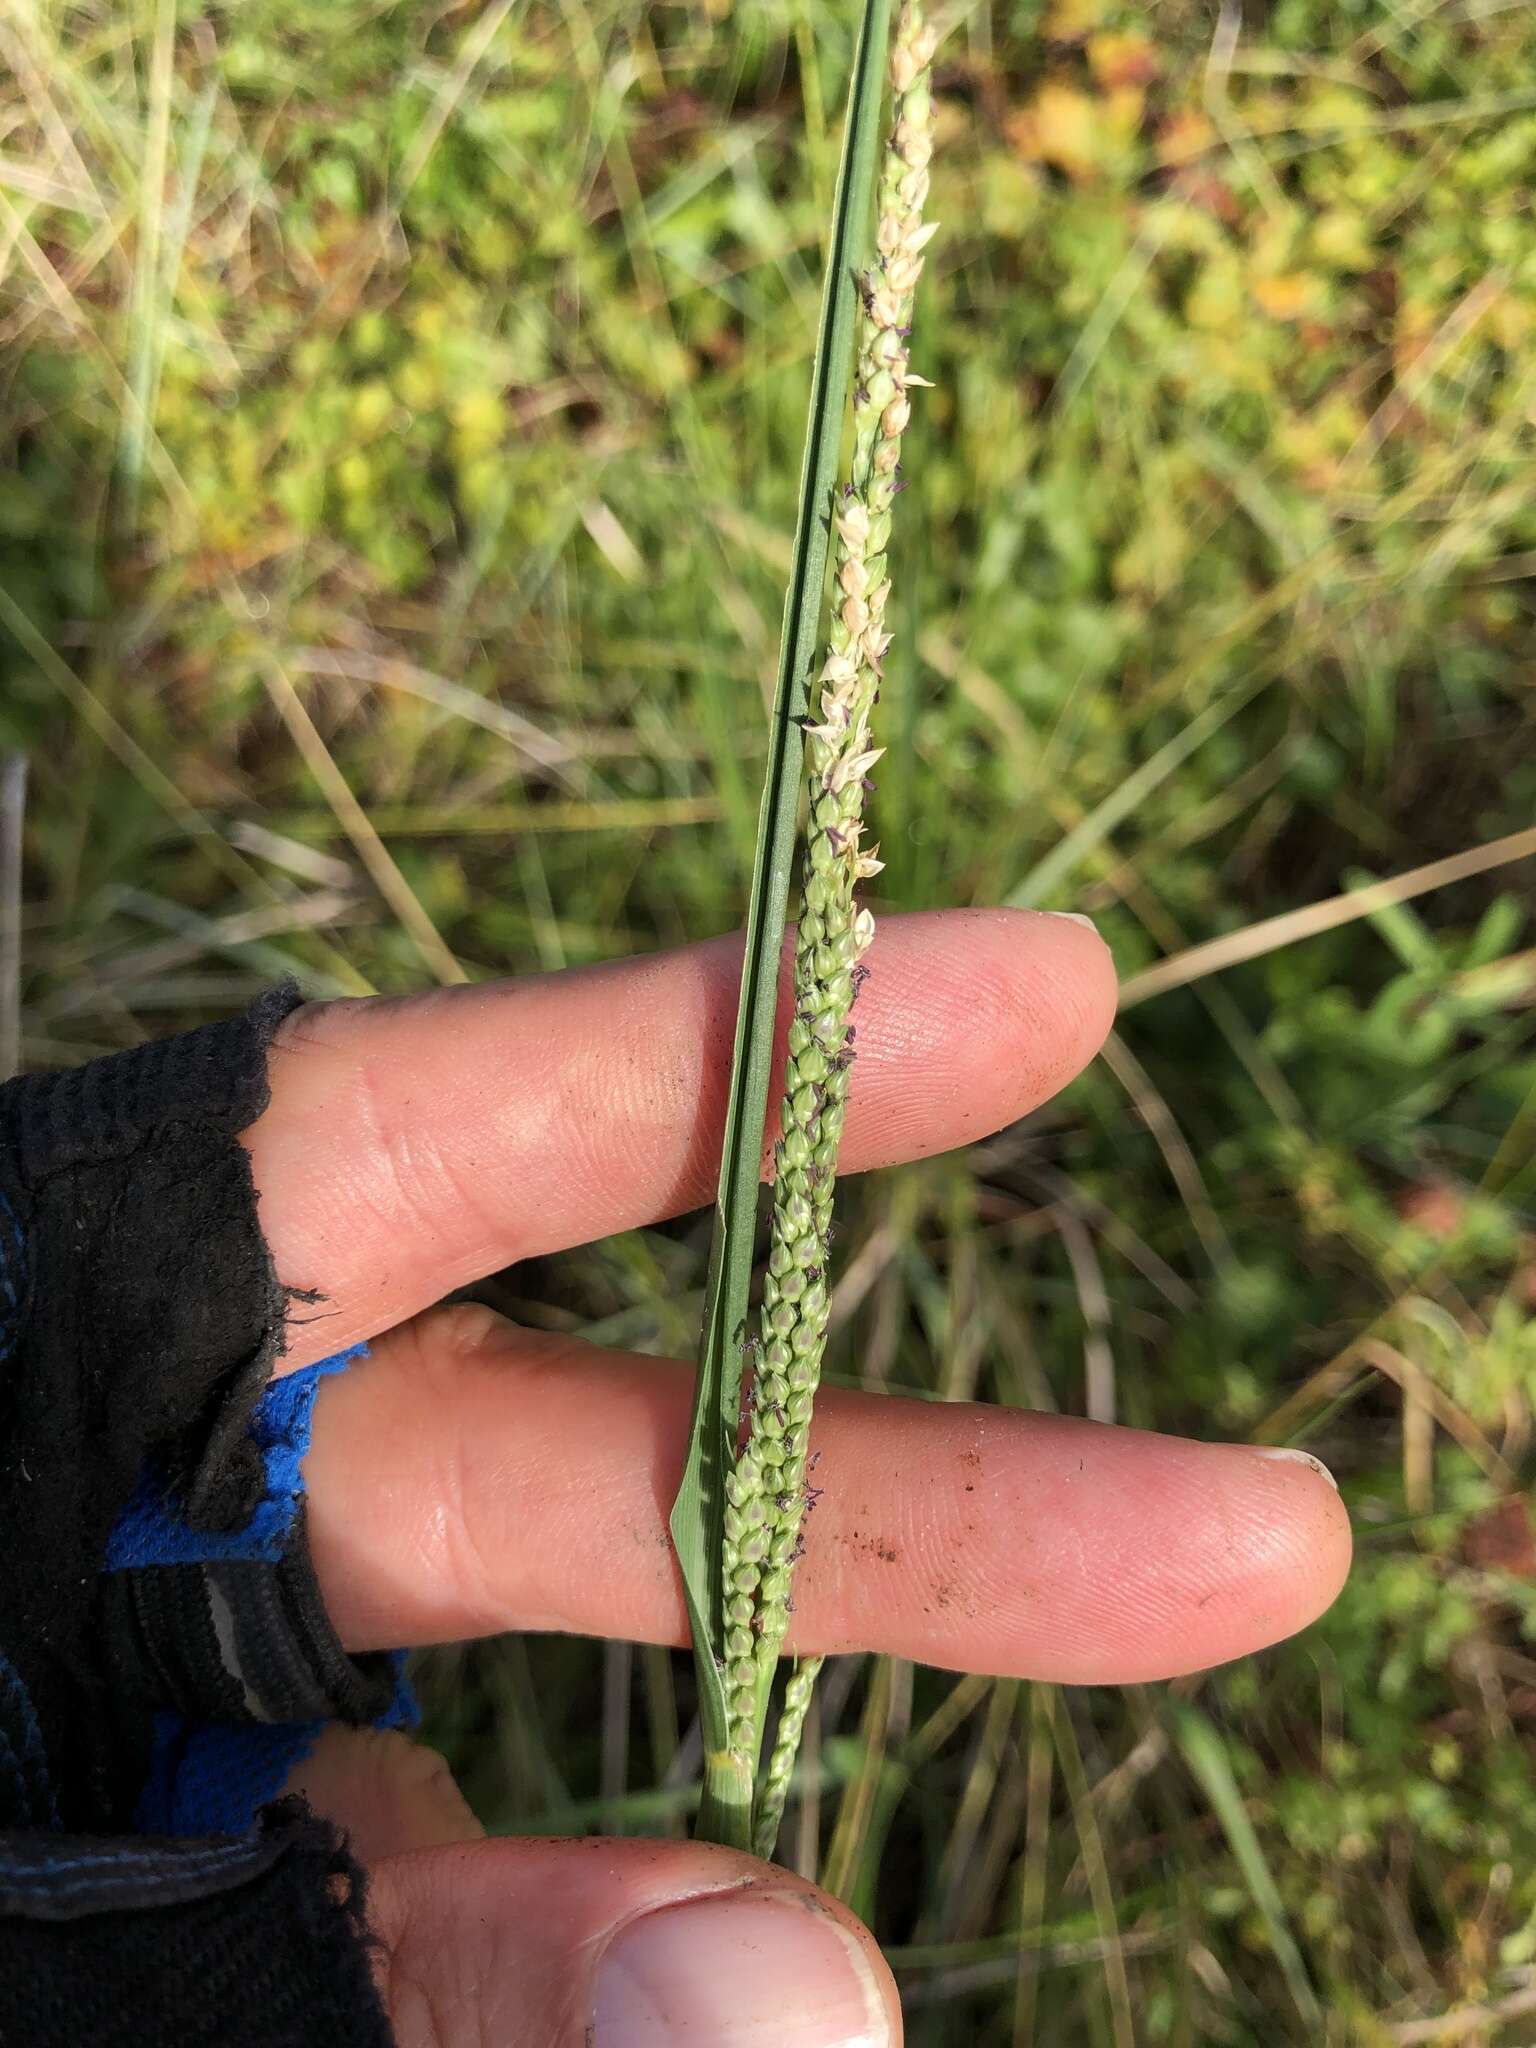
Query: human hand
(471, 1477)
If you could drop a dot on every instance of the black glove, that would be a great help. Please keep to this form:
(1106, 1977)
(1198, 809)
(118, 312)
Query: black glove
(165, 1657)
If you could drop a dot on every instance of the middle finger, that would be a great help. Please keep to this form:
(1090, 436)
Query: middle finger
(472, 1477)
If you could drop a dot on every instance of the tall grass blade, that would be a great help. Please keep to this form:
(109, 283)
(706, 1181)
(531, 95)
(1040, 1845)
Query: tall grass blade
(152, 286)
(13, 803)
(1207, 1758)
(726, 1813)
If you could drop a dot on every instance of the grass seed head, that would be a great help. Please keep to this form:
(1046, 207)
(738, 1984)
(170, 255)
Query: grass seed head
(765, 1512)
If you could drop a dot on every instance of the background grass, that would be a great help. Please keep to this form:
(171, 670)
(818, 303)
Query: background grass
(400, 409)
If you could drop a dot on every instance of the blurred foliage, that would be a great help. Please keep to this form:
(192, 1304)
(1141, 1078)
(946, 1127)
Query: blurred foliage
(442, 370)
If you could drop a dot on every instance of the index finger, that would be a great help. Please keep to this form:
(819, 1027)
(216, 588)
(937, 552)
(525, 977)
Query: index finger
(414, 1145)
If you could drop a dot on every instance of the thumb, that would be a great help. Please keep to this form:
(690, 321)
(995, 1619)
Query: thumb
(590, 1943)
(387, 1792)
(621, 1944)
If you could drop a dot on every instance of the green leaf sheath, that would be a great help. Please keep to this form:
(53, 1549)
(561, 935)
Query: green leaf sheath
(725, 1815)
(766, 1493)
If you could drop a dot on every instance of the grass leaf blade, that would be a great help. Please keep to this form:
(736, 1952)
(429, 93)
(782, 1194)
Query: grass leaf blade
(1206, 1755)
(726, 1812)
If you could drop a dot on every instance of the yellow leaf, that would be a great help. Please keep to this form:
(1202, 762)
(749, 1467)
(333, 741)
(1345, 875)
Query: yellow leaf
(1063, 127)
(1215, 301)
(1285, 297)
(1340, 239)
(1183, 136)
(1070, 20)
(1509, 321)
(373, 406)
(480, 421)
(1119, 59)
(1123, 108)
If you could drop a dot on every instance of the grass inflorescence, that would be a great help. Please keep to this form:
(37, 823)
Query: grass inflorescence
(766, 1492)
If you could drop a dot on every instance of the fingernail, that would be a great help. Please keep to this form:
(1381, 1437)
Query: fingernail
(1278, 1451)
(1076, 917)
(746, 1969)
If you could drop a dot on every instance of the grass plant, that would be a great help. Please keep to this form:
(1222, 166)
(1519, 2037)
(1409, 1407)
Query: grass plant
(766, 1486)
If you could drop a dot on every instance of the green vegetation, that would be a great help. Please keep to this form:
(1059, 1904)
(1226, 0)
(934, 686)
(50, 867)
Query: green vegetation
(402, 412)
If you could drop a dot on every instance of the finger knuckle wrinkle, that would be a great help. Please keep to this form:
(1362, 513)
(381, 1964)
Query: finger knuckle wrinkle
(426, 2013)
(458, 1330)
(416, 1180)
